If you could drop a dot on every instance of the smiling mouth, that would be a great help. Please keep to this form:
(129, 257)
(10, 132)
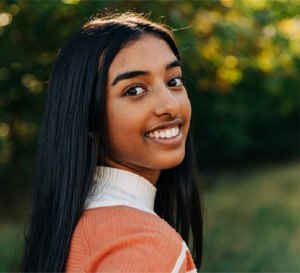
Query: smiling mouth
(171, 132)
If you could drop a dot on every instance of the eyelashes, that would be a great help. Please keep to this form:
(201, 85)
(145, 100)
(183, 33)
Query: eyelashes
(176, 82)
(137, 89)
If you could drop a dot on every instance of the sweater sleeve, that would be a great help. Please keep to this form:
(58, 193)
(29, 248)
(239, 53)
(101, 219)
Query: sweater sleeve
(121, 239)
(139, 253)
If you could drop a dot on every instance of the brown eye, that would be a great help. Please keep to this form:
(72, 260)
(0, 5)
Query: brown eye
(135, 91)
(175, 82)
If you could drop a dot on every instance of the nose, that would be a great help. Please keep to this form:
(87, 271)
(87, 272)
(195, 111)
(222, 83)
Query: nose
(167, 102)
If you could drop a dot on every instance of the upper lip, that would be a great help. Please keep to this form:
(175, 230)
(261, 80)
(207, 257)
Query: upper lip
(167, 124)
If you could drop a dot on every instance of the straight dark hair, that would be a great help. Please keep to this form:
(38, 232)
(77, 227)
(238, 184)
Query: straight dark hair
(73, 143)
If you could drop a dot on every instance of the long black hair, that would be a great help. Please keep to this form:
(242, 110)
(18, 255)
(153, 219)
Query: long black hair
(73, 143)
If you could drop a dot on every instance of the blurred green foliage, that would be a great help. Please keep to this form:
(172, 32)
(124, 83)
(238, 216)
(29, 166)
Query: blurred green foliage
(241, 58)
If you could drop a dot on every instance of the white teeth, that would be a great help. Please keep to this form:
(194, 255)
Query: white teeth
(174, 131)
(168, 133)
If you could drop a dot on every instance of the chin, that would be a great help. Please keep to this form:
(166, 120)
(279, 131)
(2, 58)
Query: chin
(168, 164)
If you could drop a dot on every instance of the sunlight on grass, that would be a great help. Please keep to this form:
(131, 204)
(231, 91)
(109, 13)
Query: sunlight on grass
(252, 221)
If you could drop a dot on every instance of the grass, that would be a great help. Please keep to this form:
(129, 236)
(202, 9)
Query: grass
(11, 240)
(252, 223)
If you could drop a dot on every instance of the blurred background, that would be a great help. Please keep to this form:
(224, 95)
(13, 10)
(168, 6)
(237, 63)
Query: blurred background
(242, 62)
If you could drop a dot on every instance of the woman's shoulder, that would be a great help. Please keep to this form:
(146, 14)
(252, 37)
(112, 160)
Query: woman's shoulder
(122, 221)
(136, 239)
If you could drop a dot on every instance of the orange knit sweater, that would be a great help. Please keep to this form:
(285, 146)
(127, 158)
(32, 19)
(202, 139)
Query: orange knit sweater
(125, 238)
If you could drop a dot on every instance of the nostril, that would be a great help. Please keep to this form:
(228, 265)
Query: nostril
(170, 107)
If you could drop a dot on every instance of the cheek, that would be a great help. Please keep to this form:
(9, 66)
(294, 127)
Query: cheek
(186, 108)
(124, 127)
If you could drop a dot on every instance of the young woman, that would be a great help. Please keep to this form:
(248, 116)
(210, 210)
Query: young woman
(115, 176)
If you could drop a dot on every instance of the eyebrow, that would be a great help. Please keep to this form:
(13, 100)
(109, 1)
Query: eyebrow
(131, 74)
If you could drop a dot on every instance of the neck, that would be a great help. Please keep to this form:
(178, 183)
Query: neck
(151, 175)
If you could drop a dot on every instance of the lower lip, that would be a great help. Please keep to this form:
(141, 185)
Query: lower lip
(168, 141)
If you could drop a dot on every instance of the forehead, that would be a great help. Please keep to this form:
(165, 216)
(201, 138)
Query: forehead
(147, 53)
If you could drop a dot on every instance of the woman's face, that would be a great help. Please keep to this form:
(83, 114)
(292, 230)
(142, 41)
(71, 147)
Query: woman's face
(148, 110)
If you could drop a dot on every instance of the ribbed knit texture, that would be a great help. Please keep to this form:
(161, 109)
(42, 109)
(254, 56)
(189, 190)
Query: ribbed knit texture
(125, 238)
(119, 187)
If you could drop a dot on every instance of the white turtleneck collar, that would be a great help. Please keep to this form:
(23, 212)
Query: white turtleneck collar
(115, 187)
